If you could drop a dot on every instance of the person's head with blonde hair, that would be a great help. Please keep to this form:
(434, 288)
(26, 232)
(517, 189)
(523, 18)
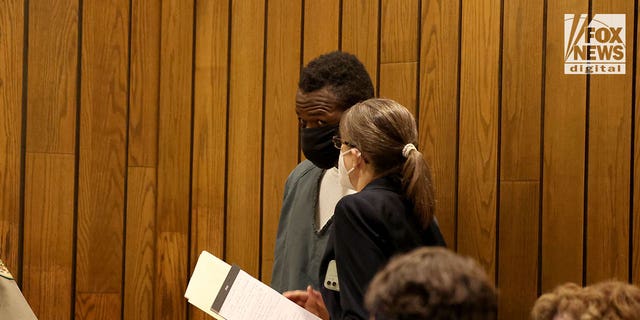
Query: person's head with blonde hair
(385, 135)
(609, 300)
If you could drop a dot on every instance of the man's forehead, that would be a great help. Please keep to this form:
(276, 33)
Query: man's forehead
(319, 103)
(323, 96)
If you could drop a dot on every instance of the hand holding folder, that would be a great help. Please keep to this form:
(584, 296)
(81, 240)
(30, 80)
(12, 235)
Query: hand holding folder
(226, 292)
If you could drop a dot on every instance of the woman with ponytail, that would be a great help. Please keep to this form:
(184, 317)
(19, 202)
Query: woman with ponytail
(392, 213)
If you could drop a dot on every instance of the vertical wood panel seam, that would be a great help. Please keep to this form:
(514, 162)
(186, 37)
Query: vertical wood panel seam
(301, 64)
(340, 13)
(123, 286)
(154, 286)
(377, 75)
(457, 173)
(264, 98)
(76, 174)
(23, 138)
(541, 161)
(585, 212)
(191, 143)
(633, 130)
(226, 147)
(418, 64)
(499, 143)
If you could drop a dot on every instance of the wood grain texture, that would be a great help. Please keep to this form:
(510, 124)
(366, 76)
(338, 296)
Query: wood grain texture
(140, 244)
(438, 104)
(281, 123)
(49, 234)
(398, 82)
(11, 66)
(399, 31)
(609, 151)
(521, 90)
(144, 82)
(52, 76)
(97, 306)
(144, 77)
(209, 132)
(245, 128)
(103, 131)
(479, 83)
(564, 157)
(321, 28)
(360, 33)
(518, 243)
(520, 158)
(174, 163)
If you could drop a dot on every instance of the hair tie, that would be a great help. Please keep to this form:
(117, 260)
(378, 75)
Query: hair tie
(407, 149)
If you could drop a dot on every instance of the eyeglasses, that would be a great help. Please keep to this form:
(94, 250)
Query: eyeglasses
(338, 142)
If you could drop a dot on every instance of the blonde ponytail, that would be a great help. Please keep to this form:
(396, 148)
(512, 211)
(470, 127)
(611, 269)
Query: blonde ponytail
(418, 186)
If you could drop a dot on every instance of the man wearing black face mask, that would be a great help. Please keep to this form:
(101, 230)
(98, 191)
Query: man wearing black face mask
(329, 84)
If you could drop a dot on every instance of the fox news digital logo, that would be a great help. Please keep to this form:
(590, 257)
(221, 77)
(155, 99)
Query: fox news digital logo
(596, 46)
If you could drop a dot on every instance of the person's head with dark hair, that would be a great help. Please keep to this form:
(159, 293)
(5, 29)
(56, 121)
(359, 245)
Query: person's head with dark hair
(610, 300)
(431, 283)
(329, 85)
(340, 72)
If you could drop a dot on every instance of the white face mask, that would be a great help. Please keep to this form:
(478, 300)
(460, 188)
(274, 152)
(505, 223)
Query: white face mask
(343, 173)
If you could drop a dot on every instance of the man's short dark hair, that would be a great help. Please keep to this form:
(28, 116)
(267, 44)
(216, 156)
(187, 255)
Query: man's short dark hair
(432, 283)
(343, 73)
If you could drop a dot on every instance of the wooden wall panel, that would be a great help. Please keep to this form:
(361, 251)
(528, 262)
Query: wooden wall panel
(174, 159)
(399, 41)
(49, 234)
(11, 82)
(398, 82)
(281, 123)
(563, 157)
(140, 244)
(97, 306)
(50, 160)
(52, 75)
(521, 90)
(360, 33)
(438, 118)
(399, 52)
(144, 82)
(479, 86)
(209, 132)
(520, 157)
(103, 132)
(245, 129)
(321, 28)
(608, 196)
(518, 243)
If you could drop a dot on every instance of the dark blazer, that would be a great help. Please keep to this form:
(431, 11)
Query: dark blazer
(369, 228)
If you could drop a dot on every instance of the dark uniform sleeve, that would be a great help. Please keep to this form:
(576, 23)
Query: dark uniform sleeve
(358, 252)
